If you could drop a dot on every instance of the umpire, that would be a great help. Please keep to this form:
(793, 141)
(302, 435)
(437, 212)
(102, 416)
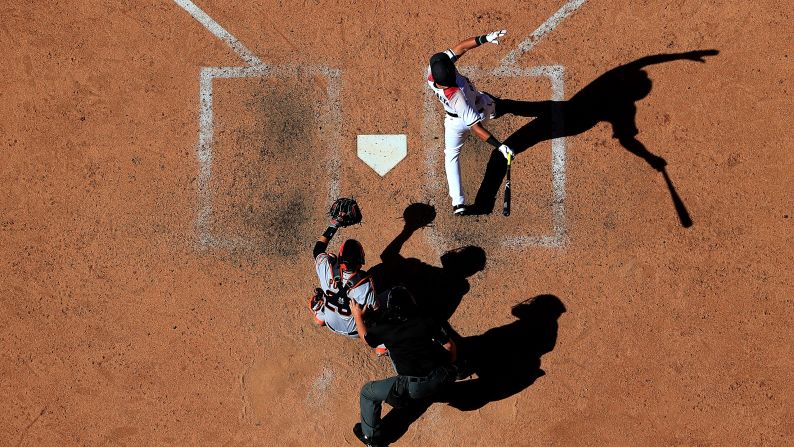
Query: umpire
(422, 353)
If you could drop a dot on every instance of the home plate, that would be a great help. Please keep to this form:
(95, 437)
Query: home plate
(382, 152)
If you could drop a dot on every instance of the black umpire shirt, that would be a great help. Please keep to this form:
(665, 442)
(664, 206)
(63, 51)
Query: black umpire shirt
(415, 346)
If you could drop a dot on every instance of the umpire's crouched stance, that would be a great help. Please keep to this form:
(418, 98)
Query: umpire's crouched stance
(422, 353)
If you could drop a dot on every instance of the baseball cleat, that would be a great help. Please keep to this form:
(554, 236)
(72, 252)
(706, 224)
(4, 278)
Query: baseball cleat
(381, 350)
(369, 442)
(459, 210)
(318, 321)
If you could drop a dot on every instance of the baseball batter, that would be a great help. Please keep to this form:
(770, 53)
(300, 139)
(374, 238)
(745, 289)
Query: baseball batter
(466, 109)
(341, 276)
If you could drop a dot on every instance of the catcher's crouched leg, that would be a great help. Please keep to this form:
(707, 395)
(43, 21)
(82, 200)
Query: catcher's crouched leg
(316, 303)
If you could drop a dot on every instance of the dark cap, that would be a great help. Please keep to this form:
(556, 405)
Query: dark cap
(443, 70)
(400, 304)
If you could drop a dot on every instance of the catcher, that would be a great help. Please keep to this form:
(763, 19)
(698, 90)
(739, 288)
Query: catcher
(341, 277)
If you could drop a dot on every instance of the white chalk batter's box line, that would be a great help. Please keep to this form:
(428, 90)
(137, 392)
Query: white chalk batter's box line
(255, 68)
(206, 137)
(556, 74)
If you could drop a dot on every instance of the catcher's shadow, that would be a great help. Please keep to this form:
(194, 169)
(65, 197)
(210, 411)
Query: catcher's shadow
(609, 98)
(438, 290)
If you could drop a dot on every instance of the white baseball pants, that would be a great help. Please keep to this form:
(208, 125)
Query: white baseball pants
(455, 133)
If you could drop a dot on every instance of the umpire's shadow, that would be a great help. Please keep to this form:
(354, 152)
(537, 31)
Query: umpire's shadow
(506, 360)
(438, 290)
(498, 364)
(609, 98)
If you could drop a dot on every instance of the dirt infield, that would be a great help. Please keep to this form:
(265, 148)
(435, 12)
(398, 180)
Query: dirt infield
(157, 219)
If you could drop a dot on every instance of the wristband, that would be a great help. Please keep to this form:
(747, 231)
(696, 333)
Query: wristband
(329, 232)
(493, 142)
(479, 40)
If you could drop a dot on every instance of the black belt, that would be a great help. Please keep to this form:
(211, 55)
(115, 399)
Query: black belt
(455, 115)
(418, 379)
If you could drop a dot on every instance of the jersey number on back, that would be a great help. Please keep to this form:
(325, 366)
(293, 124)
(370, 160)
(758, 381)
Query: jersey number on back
(337, 303)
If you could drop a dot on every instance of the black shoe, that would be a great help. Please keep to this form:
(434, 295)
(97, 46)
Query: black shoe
(369, 442)
(460, 210)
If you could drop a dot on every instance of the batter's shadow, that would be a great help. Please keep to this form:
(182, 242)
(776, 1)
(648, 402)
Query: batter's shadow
(609, 98)
(497, 364)
(438, 291)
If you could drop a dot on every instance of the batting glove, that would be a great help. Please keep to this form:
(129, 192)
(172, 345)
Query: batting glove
(495, 36)
(506, 151)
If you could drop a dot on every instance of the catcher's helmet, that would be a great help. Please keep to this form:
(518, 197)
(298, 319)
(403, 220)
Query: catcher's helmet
(443, 70)
(351, 254)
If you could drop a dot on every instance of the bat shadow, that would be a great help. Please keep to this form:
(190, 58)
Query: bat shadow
(495, 365)
(609, 98)
(437, 290)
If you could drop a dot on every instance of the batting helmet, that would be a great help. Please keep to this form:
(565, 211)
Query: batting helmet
(351, 254)
(443, 70)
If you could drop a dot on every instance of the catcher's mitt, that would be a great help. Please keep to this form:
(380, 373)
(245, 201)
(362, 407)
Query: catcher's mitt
(345, 212)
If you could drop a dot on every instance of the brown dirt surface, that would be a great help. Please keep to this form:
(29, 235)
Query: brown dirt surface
(131, 316)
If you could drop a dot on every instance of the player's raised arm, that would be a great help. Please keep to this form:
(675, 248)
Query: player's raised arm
(344, 212)
(476, 41)
(325, 238)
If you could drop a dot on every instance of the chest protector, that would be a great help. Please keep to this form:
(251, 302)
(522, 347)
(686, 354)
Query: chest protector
(342, 286)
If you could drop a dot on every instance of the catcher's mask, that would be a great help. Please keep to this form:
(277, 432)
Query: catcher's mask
(400, 304)
(351, 255)
(443, 70)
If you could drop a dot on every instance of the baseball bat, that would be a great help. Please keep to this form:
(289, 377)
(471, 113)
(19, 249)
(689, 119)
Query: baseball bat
(683, 214)
(506, 204)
